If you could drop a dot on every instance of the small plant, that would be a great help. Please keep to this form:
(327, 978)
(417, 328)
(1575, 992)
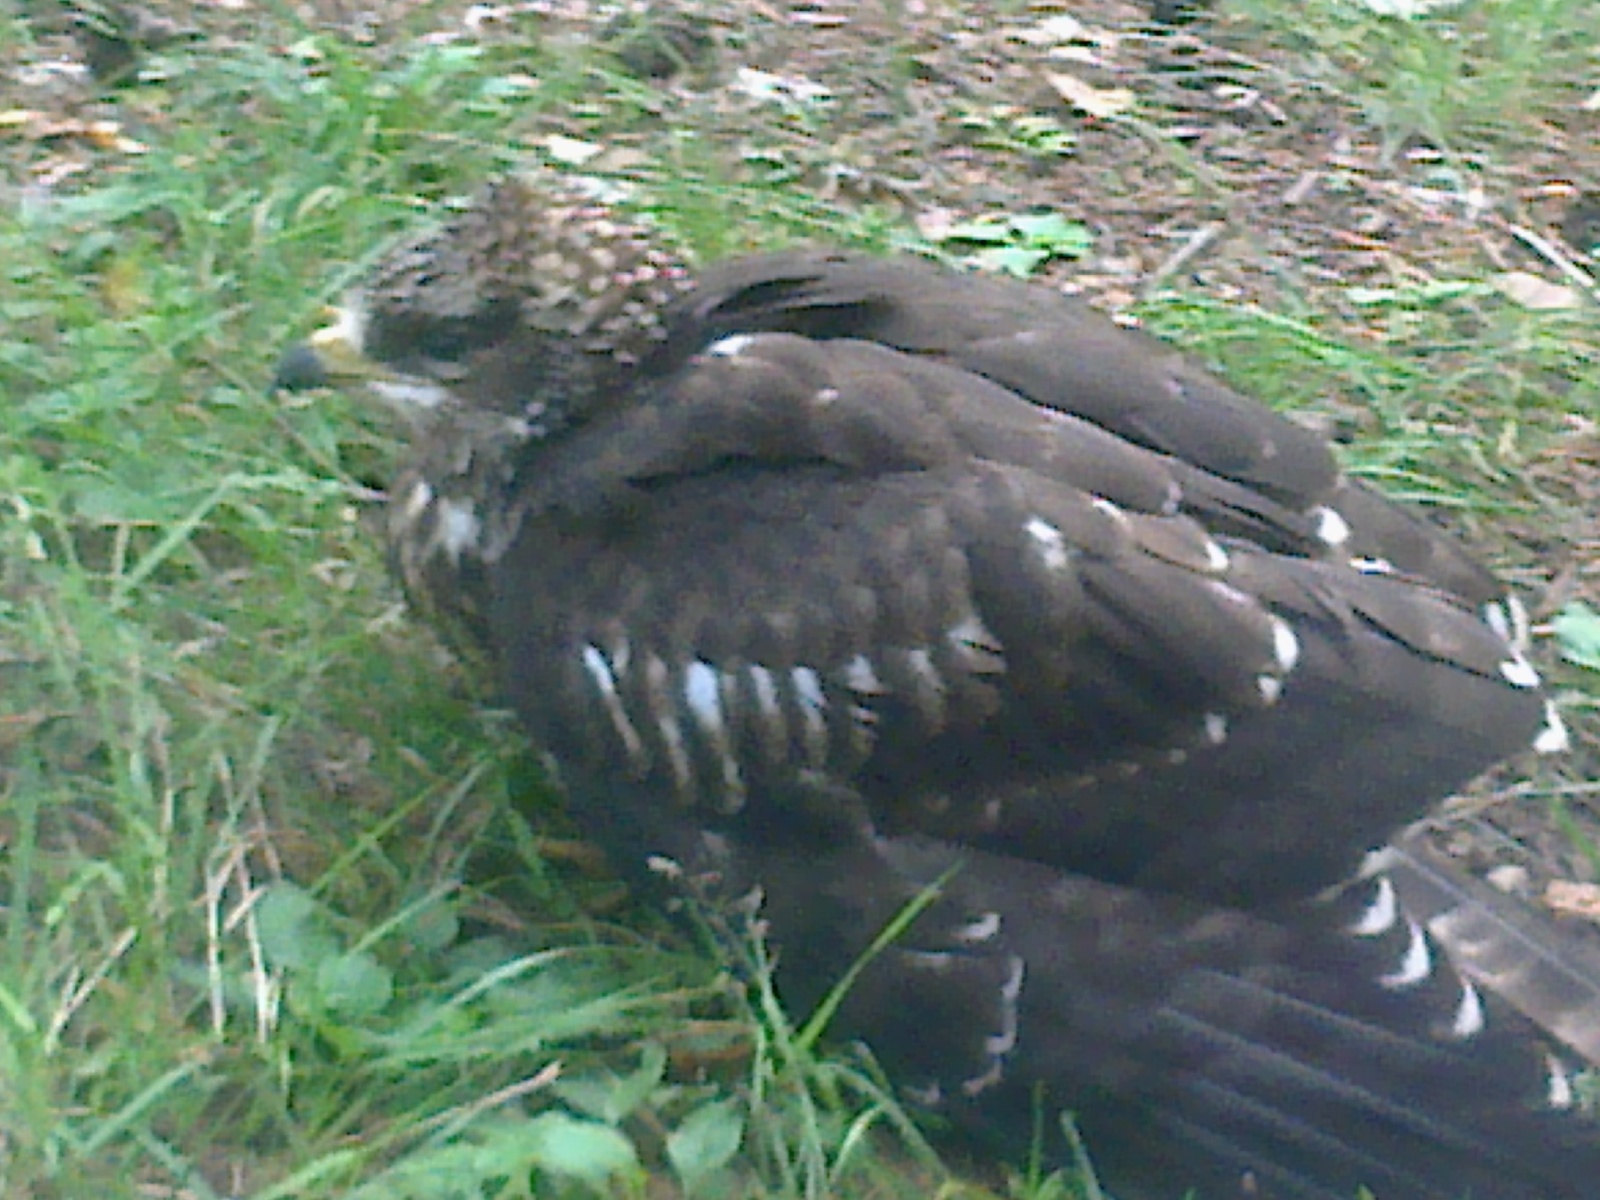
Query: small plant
(1017, 131)
(1577, 629)
(1016, 244)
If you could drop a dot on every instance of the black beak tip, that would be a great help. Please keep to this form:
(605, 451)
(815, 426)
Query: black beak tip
(299, 370)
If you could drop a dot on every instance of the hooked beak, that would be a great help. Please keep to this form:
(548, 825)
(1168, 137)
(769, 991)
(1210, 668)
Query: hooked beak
(330, 357)
(333, 357)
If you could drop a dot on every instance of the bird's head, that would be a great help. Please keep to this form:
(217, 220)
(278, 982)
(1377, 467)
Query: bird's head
(523, 307)
(509, 324)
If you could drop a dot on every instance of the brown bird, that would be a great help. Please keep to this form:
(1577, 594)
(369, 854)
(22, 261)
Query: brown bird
(844, 578)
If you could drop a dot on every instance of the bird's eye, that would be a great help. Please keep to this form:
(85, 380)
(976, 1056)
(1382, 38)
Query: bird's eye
(443, 339)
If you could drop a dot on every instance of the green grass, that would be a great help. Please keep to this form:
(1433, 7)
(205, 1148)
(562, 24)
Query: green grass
(239, 791)
(1463, 81)
(236, 959)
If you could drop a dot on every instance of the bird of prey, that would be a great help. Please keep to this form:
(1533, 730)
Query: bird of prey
(846, 580)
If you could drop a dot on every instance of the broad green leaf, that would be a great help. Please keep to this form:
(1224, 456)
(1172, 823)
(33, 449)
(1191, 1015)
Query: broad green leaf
(432, 926)
(355, 985)
(1053, 231)
(609, 1099)
(990, 230)
(1013, 260)
(292, 928)
(706, 1141)
(1577, 628)
(586, 1150)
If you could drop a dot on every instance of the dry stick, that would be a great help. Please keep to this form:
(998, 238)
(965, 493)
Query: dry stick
(1552, 254)
(1191, 249)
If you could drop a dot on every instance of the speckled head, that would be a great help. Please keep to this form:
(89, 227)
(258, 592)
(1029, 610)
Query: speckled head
(522, 304)
(525, 254)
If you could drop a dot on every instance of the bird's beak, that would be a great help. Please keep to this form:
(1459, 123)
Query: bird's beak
(333, 357)
(330, 357)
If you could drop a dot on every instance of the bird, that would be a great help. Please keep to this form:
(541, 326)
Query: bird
(842, 580)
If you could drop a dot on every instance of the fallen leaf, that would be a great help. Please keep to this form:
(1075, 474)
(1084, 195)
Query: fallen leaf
(122, 286)
(108, 135)
(1051, 31)
(764, 85)
(1535, 293)
(1577, 629)
(1097, 102)
(1568, 898)
(571, 151)
(936, 224)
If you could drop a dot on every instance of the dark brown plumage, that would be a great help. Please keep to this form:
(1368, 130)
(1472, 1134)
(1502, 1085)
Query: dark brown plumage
(827, 573)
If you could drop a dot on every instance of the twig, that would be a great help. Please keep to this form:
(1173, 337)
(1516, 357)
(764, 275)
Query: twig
(1551, 253)
(1193, 246)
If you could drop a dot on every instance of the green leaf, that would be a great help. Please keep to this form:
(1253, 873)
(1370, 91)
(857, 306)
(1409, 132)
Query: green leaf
(1054, 232)
(1013, 260)
(1577, 628)
(982, 230)
(1019, 243)
(637, 1087)
(293, 928)
(612, 1100)
(1434, 292)
(609, 1099)
(355, 985)
(706, 1142)
(585, 1150)
(432, 926)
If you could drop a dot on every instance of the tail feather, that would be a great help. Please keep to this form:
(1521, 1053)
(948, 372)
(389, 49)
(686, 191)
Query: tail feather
(1298, 1056)
(1293, 1058)
(1545, 972)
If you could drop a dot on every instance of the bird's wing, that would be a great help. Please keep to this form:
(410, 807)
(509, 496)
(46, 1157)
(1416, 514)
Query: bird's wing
(1059, 353)
(795, 561)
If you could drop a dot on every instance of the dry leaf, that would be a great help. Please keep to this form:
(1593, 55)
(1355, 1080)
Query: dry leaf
(1536, 293)
(108, 135)
(1097, 102)
(1568, 898)
(765, 85)
(104, 135)
(571, 151)
(935, 224)
(1052, 31)
(122, 286)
